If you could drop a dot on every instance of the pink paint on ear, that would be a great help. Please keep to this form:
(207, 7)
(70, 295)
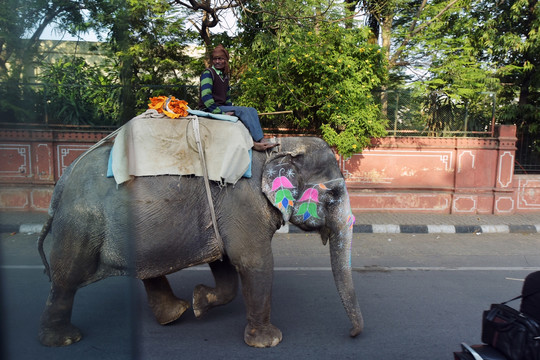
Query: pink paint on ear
(280, 182)
(310, 194)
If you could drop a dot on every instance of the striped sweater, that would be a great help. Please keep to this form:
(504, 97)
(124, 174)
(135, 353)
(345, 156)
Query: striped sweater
(214, 91)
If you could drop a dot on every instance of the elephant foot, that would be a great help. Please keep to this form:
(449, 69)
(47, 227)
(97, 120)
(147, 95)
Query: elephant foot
(203, 298)
(265, 336)
(164, 304)
(59, 335)
(169, 311)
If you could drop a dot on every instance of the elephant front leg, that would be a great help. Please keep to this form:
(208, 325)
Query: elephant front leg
(257, 291)
(226, 279)
(55, 324)
(164, 304)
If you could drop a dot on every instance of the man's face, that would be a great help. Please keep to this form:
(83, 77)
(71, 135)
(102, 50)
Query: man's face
(219, 62)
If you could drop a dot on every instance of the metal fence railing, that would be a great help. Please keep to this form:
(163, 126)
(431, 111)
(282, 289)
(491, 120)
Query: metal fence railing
(527, 153)
(436, 114)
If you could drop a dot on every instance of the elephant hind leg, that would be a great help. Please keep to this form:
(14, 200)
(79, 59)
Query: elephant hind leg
(69, 270)
(226, 278)
(55, 323)
(164, 304)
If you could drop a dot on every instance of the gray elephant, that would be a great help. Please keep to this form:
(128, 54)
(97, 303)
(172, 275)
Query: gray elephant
(154, 226)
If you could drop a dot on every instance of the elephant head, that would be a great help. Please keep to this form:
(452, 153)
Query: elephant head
(305, 183)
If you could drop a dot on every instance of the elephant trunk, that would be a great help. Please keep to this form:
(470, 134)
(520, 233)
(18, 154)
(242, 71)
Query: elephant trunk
(340, 256)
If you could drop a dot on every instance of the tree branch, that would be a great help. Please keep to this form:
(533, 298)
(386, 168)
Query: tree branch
(413, 30)
(210, 16)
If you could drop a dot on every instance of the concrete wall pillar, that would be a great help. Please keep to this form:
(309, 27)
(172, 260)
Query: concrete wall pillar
(504, 197)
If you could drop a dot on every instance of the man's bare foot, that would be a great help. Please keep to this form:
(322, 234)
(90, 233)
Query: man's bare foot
(262, 146)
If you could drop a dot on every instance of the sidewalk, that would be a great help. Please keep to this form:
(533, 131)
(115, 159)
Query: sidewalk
(413, 223)
(23, 222)
(417, 223)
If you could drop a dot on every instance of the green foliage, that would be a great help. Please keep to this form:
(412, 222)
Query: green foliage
(308, 57)
(325, 75)
(27, 19)
(152, 51)
(512, 37)
(21, 24)
(79, 94)
(457, 88)
(147, 45)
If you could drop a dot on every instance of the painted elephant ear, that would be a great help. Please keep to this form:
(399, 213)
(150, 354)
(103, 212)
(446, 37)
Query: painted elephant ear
(280, 184)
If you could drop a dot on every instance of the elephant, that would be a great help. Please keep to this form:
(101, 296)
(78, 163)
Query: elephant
(153, 226)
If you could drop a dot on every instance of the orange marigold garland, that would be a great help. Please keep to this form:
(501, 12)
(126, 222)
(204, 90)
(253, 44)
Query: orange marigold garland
(170, 106)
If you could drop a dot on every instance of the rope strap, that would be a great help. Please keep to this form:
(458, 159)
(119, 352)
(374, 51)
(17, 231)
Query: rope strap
(196, 131)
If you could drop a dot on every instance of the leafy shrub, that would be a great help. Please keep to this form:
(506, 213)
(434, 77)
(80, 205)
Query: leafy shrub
(78, 93)
(325, 76)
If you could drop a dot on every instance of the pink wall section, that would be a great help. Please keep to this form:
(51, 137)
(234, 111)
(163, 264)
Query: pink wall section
(32, 161)
(442, 175)
(405, 174)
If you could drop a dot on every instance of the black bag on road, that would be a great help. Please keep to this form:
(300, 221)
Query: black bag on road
(513, 333)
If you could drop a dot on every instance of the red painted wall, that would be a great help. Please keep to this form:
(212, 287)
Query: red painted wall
(405, 174)
(31, 161)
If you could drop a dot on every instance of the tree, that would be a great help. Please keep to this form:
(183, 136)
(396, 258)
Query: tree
(457, 73)
(399, 23)
(147, 39)
(511, 35)
(79, 93)
(324, 73)
(210, 13)
(21, 24)
(434, 47)
(28, 19)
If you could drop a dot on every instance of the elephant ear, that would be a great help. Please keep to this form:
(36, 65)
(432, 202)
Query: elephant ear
(280, 183)
(309, 209)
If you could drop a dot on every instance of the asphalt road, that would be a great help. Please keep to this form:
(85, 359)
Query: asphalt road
(421, 296)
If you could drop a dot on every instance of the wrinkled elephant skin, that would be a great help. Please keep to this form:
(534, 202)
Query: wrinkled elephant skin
(154, 226)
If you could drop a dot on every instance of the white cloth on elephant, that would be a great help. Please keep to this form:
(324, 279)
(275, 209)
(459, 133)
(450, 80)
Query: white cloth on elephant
(153, 144)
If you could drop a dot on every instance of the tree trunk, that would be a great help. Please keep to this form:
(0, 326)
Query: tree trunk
(386, 31)
(127, 96)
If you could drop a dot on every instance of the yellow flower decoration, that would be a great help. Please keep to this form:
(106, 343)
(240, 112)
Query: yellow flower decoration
(169, 106)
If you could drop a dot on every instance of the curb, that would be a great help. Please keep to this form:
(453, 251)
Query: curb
(435, 229)
(23, 228)
(363, 229)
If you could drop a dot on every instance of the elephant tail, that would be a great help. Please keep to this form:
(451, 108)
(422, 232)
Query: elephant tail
(53, 206)
(40, 242)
